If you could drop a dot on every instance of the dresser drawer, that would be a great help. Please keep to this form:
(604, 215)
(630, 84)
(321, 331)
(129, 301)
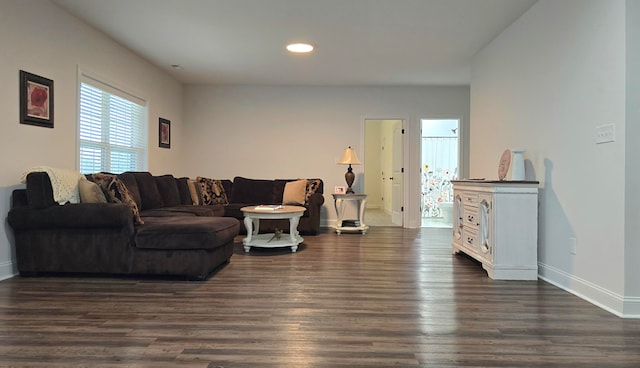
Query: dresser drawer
(470, 239)
(471, 217)
(470, 199)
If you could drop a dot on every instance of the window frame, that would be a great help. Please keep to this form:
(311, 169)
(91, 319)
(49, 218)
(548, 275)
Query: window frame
(114, 89)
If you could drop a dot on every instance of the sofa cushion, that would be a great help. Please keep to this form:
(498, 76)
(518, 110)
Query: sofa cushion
(180, 233)
(149, 193)
(131, 183)
(183, 190)
(168, 188)
(294, 192)
(228, 187)
(212, 191)
(90, 192)
(257, 191)
(116, 192)
(216, 210)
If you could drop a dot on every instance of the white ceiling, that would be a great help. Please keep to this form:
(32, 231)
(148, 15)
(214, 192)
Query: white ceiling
(358, 42)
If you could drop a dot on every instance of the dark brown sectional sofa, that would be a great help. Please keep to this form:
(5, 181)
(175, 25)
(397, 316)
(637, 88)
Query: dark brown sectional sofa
(176, 237)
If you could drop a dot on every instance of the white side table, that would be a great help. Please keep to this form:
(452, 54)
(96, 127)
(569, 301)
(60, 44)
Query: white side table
(339, 201)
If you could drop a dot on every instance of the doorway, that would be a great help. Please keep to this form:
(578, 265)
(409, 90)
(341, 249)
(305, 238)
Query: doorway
(440, 147)
(384, 179)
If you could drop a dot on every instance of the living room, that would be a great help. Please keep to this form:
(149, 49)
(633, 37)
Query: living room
(544, 84)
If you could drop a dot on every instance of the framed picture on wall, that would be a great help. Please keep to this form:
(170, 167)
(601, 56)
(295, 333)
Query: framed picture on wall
(36, 100)
(164, 133)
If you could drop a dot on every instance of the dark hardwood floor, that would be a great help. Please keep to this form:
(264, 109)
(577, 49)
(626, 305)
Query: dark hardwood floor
(391, 298)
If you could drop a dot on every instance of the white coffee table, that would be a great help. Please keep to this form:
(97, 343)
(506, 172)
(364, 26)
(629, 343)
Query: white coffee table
(252, 216)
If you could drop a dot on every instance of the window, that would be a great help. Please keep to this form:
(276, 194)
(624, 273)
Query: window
(112, 129)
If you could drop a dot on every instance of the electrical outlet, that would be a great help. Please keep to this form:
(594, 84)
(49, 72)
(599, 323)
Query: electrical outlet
(605, 133)
(572, 246)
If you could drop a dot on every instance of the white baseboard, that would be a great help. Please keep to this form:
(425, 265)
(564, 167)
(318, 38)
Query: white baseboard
(8, 270)
(624, 307)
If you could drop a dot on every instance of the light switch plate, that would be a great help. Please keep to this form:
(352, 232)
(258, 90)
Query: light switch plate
(605, 133)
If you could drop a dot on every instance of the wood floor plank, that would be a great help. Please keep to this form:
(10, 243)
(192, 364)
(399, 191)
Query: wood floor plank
(391, 298)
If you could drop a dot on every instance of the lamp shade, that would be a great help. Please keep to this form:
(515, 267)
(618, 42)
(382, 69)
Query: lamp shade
(349, 157)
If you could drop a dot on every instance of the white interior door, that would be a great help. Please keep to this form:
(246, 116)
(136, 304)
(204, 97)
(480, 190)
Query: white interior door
(397, 178)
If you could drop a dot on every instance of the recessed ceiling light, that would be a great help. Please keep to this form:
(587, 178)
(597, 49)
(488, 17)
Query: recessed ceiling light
(177, 67)
(300, 47)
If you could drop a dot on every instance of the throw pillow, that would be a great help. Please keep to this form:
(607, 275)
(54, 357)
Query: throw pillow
(312, 187)
(194, 191)
(294, 192)
(212, 191)
(116, 192)
(90, 192)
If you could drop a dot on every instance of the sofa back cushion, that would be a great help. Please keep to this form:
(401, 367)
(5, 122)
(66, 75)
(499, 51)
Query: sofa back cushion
(129, 180)
(183, 190)
(149, 193)
(253, 191)
(168, 188)
(228, 187)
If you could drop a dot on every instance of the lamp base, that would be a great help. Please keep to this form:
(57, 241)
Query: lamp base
(349, 177)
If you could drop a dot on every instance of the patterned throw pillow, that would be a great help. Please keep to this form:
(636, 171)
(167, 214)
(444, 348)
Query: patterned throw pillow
(116, 192)
(212, 191)
(312, 187)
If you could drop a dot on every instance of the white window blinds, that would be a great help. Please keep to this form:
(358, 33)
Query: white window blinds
(112, 132)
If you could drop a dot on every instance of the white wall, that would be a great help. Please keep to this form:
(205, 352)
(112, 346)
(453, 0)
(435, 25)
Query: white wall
(632, 158)
(545, 84)
(290, 131)
(39, 37)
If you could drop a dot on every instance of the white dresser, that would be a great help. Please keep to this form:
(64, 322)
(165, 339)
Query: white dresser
(496, 222)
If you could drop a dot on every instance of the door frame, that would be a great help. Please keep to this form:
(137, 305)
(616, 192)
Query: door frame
(409, 219)
(461, 147)
(463, 138)
(412, 160)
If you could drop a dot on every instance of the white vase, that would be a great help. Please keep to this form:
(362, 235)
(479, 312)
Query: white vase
(517, 164)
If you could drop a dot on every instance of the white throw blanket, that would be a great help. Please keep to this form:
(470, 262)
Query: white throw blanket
(64, 183)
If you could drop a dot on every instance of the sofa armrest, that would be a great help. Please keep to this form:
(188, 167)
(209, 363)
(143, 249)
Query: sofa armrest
(316, 200)
(76, 216)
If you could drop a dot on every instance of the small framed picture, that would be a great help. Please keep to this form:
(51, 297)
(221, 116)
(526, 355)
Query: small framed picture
(36, 100)
(164, 133)
(339, 189)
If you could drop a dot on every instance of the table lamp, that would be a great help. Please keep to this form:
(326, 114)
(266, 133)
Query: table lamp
(349, 157)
